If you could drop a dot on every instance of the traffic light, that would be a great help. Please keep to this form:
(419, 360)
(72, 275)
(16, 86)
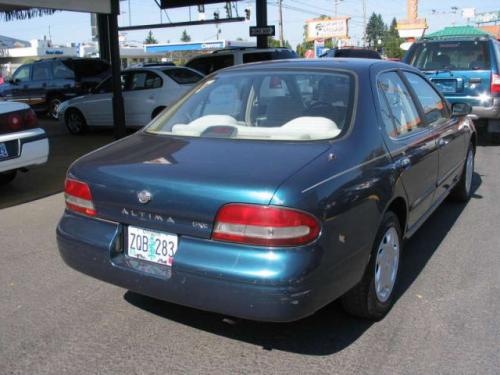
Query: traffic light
(216, 15)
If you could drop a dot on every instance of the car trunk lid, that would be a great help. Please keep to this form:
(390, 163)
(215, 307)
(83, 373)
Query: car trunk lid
(189, 179)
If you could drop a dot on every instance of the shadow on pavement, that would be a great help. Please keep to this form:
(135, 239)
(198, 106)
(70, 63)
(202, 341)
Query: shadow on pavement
(48, 179)
(329, 330)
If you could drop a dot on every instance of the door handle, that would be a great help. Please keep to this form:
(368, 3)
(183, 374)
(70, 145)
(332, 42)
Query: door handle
(443, 142)
(403, 163)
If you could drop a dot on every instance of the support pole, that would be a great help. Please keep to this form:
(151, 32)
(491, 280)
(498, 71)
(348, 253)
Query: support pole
(261, 16)
(282, 37)
(103, 36)
(114, 47)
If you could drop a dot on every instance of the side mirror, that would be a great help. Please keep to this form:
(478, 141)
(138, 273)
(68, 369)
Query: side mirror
(13, 81)
(460, 109)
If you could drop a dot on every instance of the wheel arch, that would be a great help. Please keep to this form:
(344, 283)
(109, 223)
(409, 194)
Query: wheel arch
(72, 108)
(399, 206)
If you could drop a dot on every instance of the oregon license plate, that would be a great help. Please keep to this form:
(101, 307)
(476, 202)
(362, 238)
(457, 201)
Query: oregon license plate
(3, 151)
(446, 86)
(152, 246)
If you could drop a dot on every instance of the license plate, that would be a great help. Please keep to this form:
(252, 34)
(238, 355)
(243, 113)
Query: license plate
(446, 87)
(152, 246)
(3, 151)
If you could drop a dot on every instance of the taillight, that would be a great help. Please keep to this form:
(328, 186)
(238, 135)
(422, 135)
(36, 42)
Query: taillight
(264, 225)
(78, 197)
(30, 119)
(495, 83)
(15, 121)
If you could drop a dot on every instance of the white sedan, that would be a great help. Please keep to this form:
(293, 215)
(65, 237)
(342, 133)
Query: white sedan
(22, 143)
(146, 92)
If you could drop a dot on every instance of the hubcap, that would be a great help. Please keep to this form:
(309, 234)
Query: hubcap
(74, 122)
(386, 264)
(469, 170)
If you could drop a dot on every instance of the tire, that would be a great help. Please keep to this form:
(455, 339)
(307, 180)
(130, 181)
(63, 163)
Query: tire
(75, 122)
(6, 177)
(463, 189)
(372, 298)
(156, 112)
(53, 103)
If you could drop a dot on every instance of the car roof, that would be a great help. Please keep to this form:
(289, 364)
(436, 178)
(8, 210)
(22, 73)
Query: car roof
(155, 68)
(354, 64)
(251, 49)
(69, 59)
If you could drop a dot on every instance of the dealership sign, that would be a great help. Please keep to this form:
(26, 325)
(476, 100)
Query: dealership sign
(327, 28)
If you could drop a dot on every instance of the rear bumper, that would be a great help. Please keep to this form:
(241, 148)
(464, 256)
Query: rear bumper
(262, 285)
(33, 149)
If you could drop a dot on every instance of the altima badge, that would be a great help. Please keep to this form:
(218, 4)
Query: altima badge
(144, 196)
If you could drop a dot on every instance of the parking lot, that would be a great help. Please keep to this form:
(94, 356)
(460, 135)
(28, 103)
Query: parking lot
(49, 179)
(58, 321)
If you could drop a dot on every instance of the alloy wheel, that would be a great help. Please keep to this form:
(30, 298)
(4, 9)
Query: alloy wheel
(469, 170)
(386, 264)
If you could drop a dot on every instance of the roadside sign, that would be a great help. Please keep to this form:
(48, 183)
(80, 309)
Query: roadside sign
(262, 31)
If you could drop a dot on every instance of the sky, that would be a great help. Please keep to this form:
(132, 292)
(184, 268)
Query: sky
(66, 27)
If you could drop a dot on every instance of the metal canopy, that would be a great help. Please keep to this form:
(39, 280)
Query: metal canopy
(107, 13)
(167, 4)
(91, 6)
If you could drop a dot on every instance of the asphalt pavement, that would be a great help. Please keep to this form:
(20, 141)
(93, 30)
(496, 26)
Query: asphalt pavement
(445, 321)
(41, 181)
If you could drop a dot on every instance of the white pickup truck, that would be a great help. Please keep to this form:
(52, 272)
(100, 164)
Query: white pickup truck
(22, 143)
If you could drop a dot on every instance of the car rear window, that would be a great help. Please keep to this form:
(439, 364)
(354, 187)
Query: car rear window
(360, 53)
(212, 63)
(250, 57)
(267, 105)
(183, 76)
(451, 55)
(89, 67)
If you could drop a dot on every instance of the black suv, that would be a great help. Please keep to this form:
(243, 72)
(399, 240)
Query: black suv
(363, 53)
(44, 84)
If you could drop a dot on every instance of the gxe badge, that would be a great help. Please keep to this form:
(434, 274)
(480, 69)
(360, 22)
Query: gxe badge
(144, 196)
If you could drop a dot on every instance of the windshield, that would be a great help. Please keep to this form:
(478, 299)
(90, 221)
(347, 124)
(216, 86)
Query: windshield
(451, 55)
(272, 105)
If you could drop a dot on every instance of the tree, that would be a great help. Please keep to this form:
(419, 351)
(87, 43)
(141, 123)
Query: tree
(375, 30)
(393, 41)
(271, 42)
(185, 37)
(150, 39)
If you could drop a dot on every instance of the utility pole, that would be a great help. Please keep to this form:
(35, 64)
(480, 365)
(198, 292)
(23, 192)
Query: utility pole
(364, 23)
(282, 38)
(335, 9)
(129, 14)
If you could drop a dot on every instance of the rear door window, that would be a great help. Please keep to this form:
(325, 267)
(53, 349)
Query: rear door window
(397, 101)
(183, 76)
(144, 81)
(452, 55)
(434, 107)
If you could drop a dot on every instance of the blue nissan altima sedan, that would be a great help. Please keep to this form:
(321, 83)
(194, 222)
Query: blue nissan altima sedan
(272, 189)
